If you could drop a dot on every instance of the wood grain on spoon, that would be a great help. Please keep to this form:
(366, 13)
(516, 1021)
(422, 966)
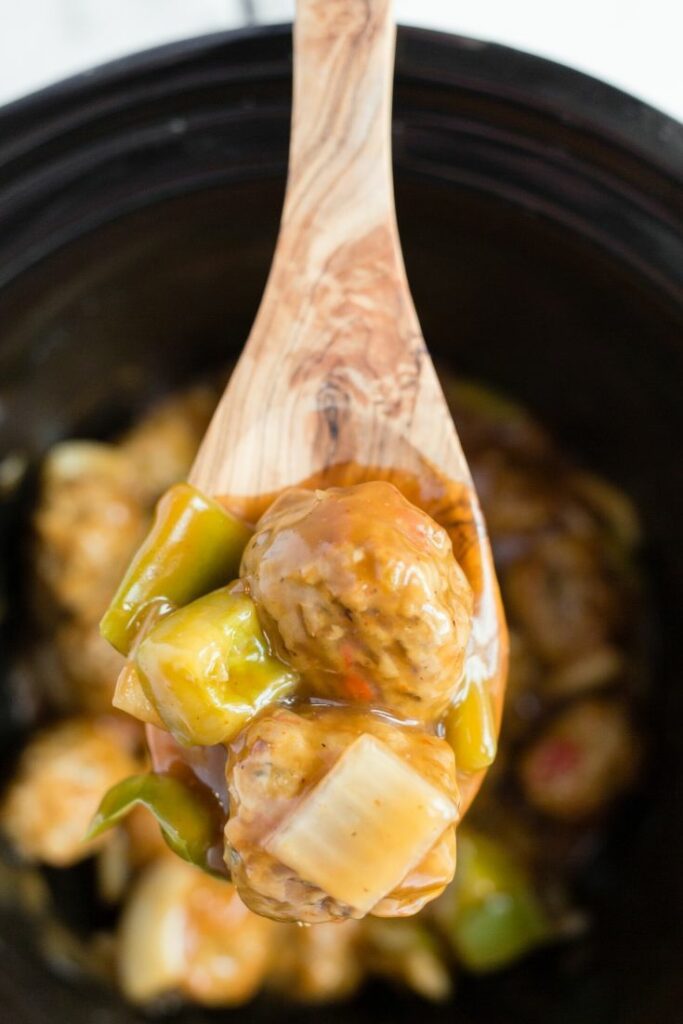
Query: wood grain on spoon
(335, 383)
(335, 369)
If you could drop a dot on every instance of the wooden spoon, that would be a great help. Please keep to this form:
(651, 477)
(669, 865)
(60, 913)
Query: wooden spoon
(336, 369)
(335, 383)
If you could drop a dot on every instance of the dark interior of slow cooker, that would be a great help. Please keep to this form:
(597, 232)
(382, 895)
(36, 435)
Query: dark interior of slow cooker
(505, 293)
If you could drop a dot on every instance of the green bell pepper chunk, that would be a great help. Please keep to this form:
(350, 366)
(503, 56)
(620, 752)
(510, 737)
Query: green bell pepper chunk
(208, 668)
(194, 546)
(189, 821)
(491, 915)
(499, 931)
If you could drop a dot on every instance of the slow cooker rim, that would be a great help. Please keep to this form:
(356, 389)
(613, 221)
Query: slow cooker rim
(557, 88)
(61, 126)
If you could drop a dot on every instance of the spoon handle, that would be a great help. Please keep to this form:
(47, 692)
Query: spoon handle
(335, 369)
(340, 178)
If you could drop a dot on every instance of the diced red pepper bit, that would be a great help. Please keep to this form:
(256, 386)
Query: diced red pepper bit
(559, 757)
(358, 688)
(355, 686)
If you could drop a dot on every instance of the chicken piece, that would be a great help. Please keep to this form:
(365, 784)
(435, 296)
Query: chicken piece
(186, 932)
(363, 592)
(317, 964)
(162, 446)
(90, 664)
(280, 758)
(89, 521)
(560, 598)
(584, 759)
(62, 775)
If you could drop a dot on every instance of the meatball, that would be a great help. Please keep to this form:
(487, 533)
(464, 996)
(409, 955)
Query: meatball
(183, 931)
(88, 524)
(363, 595)
(96, 499)
(162, 446)
(585, 758)
(280, 758)
(63, 773)
(561, 598)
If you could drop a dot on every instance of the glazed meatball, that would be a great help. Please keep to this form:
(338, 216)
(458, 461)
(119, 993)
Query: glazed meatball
(63, 774)
(88, 524)
(278, 760)
(163, 444)
(185, 932)
(363, 594)
(560, 597)
(585, 758)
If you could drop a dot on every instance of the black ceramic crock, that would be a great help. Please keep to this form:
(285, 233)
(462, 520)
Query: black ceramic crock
(539, 215)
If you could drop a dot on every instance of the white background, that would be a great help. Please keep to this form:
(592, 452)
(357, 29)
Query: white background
(634, 44)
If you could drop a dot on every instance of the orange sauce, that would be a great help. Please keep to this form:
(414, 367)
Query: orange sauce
(455, 507)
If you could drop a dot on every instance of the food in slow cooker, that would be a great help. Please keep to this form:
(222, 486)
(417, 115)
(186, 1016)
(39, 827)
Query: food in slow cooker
(563, 542)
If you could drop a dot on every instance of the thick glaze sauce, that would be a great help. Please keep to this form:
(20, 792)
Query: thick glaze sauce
(453, 506)
(356, 590)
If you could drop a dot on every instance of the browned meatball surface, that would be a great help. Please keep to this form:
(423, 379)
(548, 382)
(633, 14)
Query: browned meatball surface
(87, 525)
(279, 759)
(62, 775)
(363, 592)
(165, 441)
